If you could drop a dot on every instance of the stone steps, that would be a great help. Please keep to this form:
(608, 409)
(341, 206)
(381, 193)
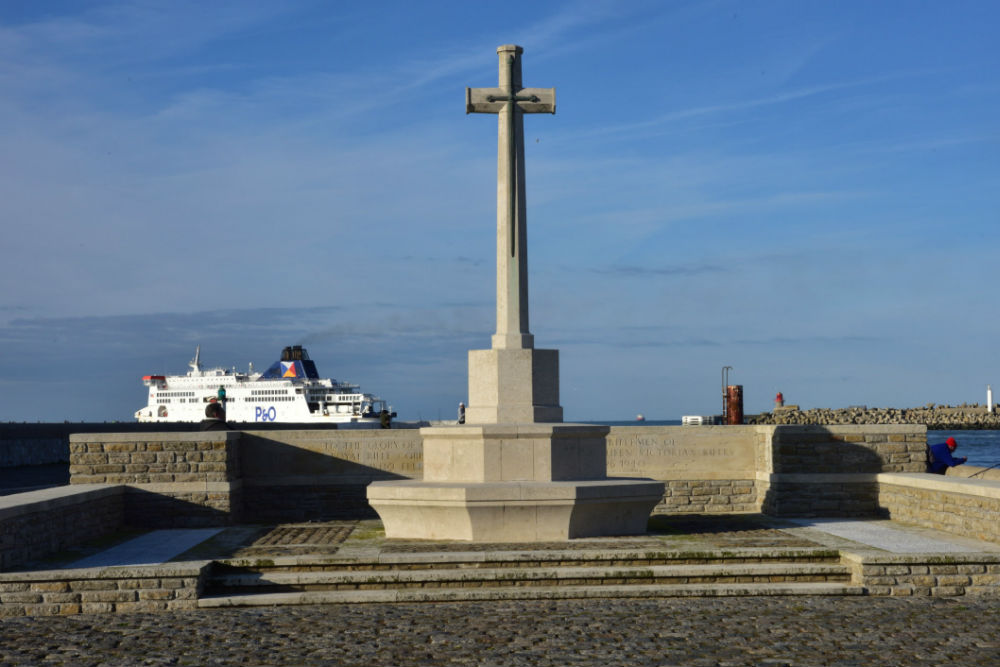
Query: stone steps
(528, 593)
(525, 575)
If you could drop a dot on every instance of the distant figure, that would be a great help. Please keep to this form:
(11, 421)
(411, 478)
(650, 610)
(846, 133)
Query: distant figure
(941, 458)
(779, 401)
(385, 418)
(215, 418)
(461, 413)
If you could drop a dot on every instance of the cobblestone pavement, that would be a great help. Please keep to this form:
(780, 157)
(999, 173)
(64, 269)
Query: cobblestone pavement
(693, 632)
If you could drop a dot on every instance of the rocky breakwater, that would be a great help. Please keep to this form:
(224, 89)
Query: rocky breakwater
(935, 417)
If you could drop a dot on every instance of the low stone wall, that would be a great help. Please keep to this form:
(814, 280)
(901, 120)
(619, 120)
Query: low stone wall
(967, 507)
(173, 479)
(38, 523)
(926, 574)
(832, 470)
(102, 590)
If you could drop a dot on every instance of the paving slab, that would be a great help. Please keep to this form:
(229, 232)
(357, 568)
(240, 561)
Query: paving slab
(892, 536)
(153, 548)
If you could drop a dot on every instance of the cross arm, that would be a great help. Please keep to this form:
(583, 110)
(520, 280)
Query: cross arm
(483, 100)
(539, 100)
(492, 100)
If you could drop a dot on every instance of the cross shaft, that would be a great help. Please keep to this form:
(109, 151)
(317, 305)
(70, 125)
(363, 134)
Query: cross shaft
(510, 101)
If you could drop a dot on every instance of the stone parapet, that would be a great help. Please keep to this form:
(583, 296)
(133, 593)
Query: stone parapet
(38, 523)
(967, 507)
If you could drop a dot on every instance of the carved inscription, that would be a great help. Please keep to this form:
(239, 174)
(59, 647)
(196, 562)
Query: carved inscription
(401, 457)
(662, 455)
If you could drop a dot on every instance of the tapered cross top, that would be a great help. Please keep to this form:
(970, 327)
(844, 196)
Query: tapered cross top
(510, 102)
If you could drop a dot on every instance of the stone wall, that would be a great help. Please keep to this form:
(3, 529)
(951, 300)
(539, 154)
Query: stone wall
(926, 574)
(967, 507)
(313, 475)
(32, 445)
(173, 479)
(23, 444)
(831, 470)
(191, 479)
(38, 523)
(102, 590)
(706, 469)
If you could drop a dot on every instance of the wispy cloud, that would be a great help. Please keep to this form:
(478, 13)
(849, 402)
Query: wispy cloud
(662, 271)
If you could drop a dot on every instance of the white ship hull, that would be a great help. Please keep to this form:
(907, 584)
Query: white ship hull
(289, 392)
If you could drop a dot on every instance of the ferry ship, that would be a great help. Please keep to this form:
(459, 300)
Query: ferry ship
(290, 391)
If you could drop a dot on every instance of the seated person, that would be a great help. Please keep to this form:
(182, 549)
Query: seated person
(941, 458)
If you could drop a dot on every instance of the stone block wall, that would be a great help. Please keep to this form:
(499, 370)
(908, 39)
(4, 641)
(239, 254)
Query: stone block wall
(926, 574)
(849, 449)
(215, 478)
(831, 470)
(820, 496)
(706, 469)
(36, 524)
(708, 496)
(173, 479)
(102, 590)
(966, 507)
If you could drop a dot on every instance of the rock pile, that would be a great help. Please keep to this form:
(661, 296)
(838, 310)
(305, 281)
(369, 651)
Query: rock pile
(935, 417)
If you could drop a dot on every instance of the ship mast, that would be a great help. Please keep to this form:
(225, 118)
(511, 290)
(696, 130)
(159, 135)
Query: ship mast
(195, 363)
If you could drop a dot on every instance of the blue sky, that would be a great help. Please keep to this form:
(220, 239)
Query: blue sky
(808, 192)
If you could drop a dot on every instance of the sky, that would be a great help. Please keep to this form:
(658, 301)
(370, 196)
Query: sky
(805, 191)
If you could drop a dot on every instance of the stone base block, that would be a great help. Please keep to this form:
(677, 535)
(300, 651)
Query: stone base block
(514, 511)
(513, 386)
(514, 452)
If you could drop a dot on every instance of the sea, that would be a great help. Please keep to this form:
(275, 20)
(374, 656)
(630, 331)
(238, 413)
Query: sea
(981, 447)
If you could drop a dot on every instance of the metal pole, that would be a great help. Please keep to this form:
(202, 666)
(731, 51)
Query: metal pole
(725, 382)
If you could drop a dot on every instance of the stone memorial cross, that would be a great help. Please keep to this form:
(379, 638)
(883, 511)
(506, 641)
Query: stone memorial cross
(510, 102)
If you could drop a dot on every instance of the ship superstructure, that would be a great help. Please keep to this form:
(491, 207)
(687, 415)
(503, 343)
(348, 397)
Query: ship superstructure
(290, 391)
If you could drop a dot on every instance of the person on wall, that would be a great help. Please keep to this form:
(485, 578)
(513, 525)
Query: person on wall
(215, 418)
(941, 456)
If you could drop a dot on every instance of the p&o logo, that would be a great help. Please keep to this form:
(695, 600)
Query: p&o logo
(265, 414)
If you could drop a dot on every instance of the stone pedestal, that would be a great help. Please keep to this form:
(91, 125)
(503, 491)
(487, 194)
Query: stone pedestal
(514, 483)
(513, 386)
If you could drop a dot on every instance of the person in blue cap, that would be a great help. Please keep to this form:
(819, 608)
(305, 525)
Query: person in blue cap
(941, 458)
